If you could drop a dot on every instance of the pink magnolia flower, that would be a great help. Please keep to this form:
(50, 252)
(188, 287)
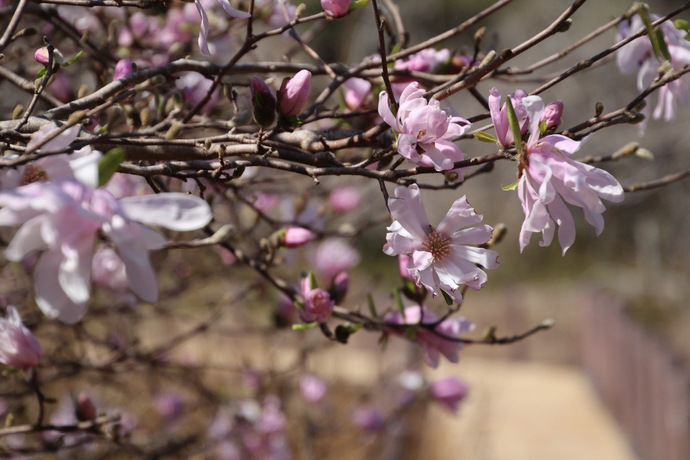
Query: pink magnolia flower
(436, 338)
(449, 392)
(499, 115)
(336, 8)
(63, 219)
(344, 199)
(356, 92)
(204, 26)
(427, 60)
(294, 93)
(549, 178)
(424, 129)
(318, 304)
(639, 55)
(331, 257)
(18, 346)
(313, 389)
(441, 257)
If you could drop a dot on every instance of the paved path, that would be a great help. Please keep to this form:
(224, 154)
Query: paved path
(523, 411)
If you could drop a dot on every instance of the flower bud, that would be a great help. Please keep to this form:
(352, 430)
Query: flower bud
(341, 283)
(318, 304)
(122, 69)
(296, 236)
(263, 102)
(18, 346)
(336, 8)
(368, 418)
(86, 410)
(293, 93)
(42, 56)
(551, 117)
(449, 392)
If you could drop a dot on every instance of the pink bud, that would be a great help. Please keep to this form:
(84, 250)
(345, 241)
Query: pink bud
(122, 69)
(336, 8)
(41, 56)
(296, 236)
(344, 199)
(403, 264)
(341, 283)
(552, 114)
(86, 410)
(318, 304)
(294, 93)
(18, 346)
(449, 392)
(263, 102)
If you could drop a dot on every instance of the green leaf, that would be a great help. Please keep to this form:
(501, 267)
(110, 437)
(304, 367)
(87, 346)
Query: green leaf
(304, 327)
(511, 187)
(357, 4)
(656, 36)
(109, 164)
(312, 280)
(73, 60)
(514, 125)
(397, 298)
(542, 127)
(485, 137)
(447, 298)
(42, 73)
(682, 24)
(372, 306)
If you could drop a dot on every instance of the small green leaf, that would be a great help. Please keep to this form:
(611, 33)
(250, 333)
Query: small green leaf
(485, 137)
(357, 4)
(682, 24)
(304, 327)
(372, 306)
(42, 73)
(73, 60)
(511, 187)
(542, 127)
(397, 299)
(656, 36)
(514, 125)
(447, 298)
(312, 280)
(109, 164)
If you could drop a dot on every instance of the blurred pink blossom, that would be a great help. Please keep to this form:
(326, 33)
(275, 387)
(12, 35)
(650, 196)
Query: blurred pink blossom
(344, 199)
(434, 344)
(18, 346)
(294, 237)
(62, 220)
(331, 257)
(318, 304)
(449, 392)
(313, 389)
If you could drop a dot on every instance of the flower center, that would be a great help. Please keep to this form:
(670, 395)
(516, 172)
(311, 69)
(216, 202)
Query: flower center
(33, 174)
(438, 244)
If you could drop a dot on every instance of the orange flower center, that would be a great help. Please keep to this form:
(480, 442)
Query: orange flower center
(438, 244)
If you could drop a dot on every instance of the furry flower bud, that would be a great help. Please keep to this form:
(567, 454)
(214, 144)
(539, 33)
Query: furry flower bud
(263, 102)
(122, 69)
